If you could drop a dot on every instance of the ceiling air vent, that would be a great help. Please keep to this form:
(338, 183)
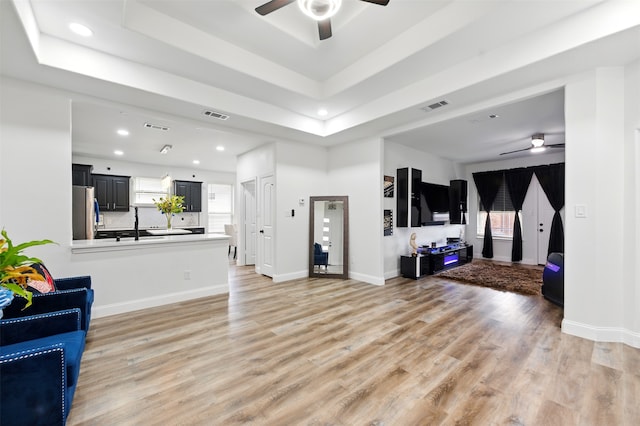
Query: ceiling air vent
(435, 105)
(213, 114)
(156, 127)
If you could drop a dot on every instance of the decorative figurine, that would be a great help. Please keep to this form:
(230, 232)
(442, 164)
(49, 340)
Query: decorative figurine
(414, 245)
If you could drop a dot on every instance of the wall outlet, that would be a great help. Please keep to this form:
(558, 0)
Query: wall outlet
(187, 275)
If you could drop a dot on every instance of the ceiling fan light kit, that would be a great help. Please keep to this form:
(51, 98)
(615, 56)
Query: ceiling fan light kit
(537, 145)
(319, 9)
(537, 140)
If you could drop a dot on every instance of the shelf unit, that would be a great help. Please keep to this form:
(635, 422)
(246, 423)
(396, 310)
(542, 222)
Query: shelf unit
(435, 260)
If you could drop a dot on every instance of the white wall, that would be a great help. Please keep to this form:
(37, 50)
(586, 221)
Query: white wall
(632, 195)
(301, 172)
(434, 170)
(35, 173)
(132, 276)
(355, 170)
(596, 279)
(501, 247)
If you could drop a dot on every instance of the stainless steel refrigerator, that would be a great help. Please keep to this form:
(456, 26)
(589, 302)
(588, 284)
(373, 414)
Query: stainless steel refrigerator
(84, 212)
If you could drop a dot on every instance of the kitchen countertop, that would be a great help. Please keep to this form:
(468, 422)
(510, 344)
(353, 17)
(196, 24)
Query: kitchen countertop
(110, 244)
(173, 231)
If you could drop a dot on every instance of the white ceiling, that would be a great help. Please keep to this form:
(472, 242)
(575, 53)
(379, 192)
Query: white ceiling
(167, 61)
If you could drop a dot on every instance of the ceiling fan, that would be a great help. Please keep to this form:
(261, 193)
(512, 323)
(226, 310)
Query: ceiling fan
(537, 145)
(319, 10)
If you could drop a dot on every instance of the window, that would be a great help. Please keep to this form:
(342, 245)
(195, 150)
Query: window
(146, 189)
(502, 215)
(220, 206)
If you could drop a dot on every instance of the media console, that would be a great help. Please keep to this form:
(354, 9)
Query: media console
(436, 259)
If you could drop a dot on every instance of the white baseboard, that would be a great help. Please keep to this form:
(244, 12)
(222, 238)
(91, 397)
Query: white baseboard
(369, 279)
(152, 302)
(601, 334)
(290, 276)
(392, 274)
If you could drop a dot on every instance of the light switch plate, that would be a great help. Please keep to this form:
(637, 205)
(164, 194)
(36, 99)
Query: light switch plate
(581, 210)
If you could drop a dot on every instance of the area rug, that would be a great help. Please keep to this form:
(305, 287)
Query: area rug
(517, 279)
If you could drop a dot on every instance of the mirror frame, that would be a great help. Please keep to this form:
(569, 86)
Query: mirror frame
(345, 236)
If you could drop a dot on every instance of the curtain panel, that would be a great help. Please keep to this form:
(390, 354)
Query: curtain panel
(518, 181)
(551, 179)
(488, 184)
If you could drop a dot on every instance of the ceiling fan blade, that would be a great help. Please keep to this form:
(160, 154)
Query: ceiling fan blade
(324, 28)
(380, 2)
(517, 150)
(272, 6)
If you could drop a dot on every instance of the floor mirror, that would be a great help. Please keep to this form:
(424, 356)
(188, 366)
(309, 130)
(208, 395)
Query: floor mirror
(329, 237)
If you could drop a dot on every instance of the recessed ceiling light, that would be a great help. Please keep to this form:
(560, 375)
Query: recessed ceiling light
(196, 161)
(118, 152)
(81, 30)
(322, 112)
(123, 132)
(219, 148)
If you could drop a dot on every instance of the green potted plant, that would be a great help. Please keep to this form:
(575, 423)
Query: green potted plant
(16, 270)
(169, 206)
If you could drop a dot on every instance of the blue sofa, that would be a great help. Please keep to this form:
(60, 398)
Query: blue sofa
(40, 352)
(39, 367)
(73, 292)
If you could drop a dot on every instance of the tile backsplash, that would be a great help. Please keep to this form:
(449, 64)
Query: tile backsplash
(149, 217)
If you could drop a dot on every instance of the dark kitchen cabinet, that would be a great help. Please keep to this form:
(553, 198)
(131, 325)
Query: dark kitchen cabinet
(192, 193)
(81, 174)
(112, 192)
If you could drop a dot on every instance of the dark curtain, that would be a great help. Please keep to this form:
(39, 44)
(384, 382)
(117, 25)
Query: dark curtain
(517, 184)
(488, 184)
(551, 179)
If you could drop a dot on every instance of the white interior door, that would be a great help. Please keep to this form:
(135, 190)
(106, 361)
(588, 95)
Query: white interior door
(267, 243)
(545, 217)
(249, 222)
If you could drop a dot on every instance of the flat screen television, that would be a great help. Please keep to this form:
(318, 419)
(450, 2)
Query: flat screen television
(434, 198)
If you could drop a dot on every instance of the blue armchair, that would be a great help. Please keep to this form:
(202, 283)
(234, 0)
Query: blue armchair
(73, 292)
(39, 366)
(320, 257)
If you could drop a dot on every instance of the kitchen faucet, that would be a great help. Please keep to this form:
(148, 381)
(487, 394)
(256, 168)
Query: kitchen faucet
(137, 237)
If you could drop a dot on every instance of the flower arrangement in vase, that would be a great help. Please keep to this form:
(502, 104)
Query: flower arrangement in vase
(170, 206)
(16, 270)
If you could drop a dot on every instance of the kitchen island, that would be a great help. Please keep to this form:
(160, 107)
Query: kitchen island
(128, 275)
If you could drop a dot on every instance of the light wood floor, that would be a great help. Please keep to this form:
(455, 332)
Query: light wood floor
(330, 352)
